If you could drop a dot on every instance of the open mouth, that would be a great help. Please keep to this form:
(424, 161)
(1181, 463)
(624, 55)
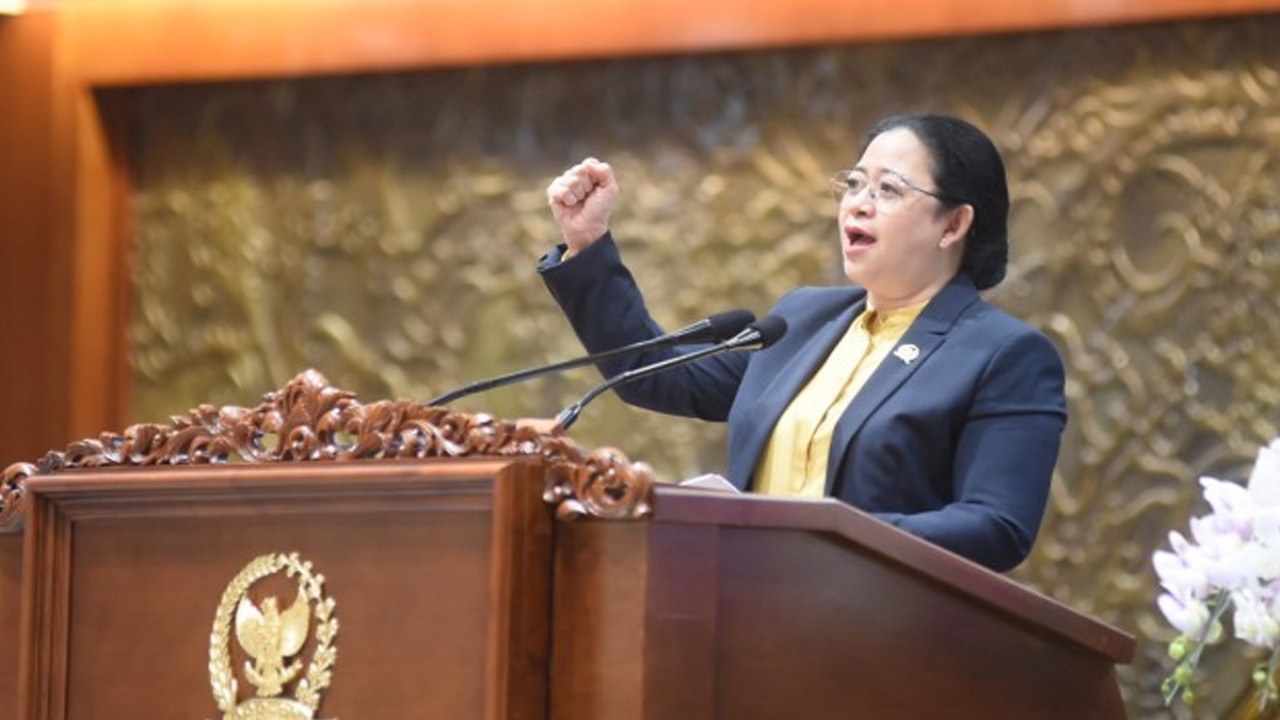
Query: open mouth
(856, 236)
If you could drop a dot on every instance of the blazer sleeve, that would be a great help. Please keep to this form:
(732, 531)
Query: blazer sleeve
(1004, 458)
(604, 305)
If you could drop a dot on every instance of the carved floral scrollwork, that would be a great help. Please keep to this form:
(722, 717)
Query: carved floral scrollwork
(13, 495)
(604, 485)
(309, 420)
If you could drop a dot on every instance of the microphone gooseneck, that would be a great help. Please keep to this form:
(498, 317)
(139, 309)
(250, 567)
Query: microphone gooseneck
(714, 328)
(756, 336)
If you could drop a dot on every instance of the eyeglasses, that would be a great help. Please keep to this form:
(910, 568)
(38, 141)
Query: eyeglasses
(887, 192)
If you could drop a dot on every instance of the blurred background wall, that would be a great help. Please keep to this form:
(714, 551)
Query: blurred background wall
(188, 227)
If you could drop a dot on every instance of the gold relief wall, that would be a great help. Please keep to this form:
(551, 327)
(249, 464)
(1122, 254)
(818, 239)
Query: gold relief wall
(384, 230)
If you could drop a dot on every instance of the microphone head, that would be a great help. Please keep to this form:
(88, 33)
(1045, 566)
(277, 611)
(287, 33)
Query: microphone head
(771, 328)
(759, 334)
(729, 323)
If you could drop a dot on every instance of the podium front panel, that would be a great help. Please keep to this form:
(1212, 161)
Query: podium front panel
(809, 628)
(10, 619)
(750, 608)
(137, 578)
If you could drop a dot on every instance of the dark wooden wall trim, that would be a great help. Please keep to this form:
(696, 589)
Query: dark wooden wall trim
(33, 307)
(100, 227)
(34, 293)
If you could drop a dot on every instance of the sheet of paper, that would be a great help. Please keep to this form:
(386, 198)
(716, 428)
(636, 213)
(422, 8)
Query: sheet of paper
(710, 481)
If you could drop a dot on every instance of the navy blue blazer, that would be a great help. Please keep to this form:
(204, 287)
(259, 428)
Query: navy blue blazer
(957, 445)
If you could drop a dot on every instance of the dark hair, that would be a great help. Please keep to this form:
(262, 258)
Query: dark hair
(967, 170)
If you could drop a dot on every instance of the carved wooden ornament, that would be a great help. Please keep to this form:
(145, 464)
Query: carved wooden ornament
(309, 420)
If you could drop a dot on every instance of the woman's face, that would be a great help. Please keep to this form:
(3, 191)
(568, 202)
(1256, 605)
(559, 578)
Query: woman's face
(898, 241)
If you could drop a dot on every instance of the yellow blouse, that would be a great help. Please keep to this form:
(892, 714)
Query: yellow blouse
(795, 460)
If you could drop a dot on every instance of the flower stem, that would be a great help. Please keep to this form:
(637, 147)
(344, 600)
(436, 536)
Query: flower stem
(1269, 687)
(1220, 604)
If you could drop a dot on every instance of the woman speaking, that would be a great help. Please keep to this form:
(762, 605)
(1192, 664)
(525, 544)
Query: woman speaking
(903, 393)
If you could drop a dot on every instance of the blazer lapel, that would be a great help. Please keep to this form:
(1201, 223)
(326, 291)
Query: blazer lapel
(924, 336)
(779, 393)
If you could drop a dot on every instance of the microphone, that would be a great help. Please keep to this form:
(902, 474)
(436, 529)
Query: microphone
(756, 336)
(715, 328)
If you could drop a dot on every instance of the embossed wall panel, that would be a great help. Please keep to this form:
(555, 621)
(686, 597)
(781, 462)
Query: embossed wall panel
(384, 230)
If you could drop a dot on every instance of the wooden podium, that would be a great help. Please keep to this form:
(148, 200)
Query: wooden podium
(480, 570)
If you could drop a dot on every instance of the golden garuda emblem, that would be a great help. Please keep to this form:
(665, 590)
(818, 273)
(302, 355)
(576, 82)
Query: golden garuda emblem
(272, 638)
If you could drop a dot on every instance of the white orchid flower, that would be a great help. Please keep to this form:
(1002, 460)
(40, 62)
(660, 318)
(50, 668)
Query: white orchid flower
(1264, 487)
(1231, 561)
(1183, 572)
(1255, 619)
(1189, 616)
(1233, 507)
(1264, 481)
(1266, 535)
